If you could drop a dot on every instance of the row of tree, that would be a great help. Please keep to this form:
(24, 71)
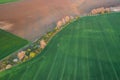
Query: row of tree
(19, 57)
(64, 21)
(34, 49)
(101, 10)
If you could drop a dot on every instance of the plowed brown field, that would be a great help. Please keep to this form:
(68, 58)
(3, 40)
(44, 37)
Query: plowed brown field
(31, 18)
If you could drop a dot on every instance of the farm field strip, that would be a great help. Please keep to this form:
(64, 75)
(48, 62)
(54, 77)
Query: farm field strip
(7, 1)
(10, 43)
(87, 49)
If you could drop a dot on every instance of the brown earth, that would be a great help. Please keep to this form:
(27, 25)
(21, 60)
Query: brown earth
(32, 18)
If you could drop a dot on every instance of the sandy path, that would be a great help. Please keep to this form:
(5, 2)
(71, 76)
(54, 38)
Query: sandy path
(31, 18)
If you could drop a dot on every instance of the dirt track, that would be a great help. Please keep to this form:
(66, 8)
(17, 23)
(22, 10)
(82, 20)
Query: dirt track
(31, 18)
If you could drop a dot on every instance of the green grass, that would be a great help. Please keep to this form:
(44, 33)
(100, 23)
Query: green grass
(9, 43)
(87, 49)
(7, 1)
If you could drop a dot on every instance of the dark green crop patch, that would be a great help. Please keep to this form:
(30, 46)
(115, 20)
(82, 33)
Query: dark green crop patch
(10, 43)
(7, 1)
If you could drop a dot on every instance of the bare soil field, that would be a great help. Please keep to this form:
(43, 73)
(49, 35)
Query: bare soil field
(32, 18)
